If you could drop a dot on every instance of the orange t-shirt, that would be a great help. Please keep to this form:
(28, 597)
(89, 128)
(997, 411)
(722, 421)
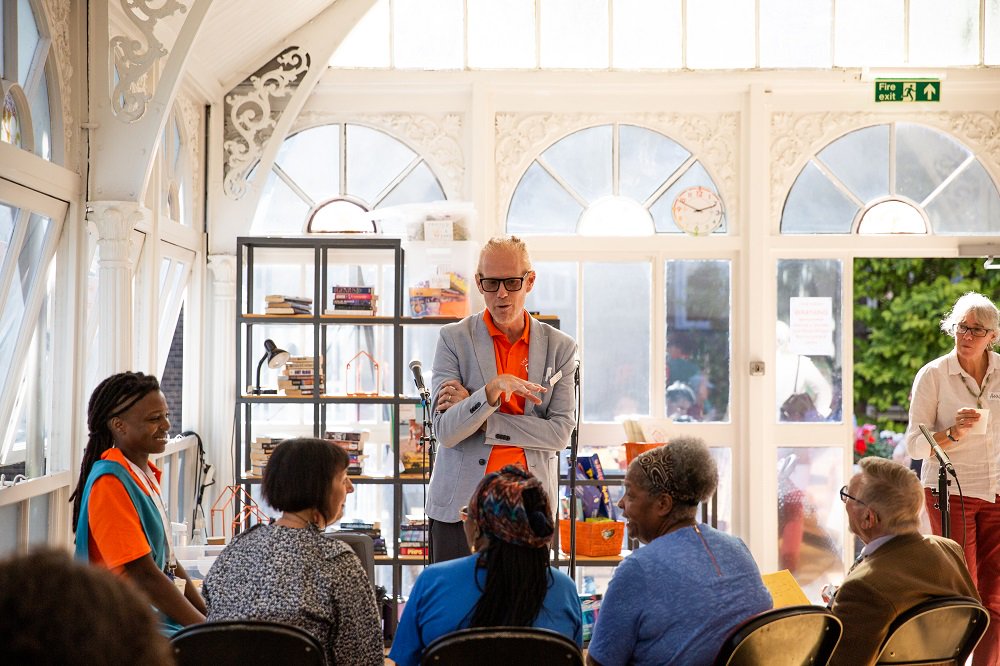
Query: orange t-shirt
(116, 534)
(512, 359)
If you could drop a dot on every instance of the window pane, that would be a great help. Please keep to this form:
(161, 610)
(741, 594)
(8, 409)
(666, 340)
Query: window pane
(646, 160)
(647, 34)
(868, 33)
(10, 525)
(374, 159)
(944, 33)
(924, 158)
(795, 33)
(811, 516)
(661, 208)
(311, 159)
(420, 185)
(892, 217)
(38, 525)
(711, 24)
(698, 340)
(574, 34)
(27, 40)
(583, 159)
(428, 34)
(968, 205)
(860, 160)
(555, 293)
(808, 348)
(280, 210)
(40, 121)
(367, 45)
(992, 46)
(616, 345)
(7, 215)
(816, 206)
(501, 33)
(540, 205)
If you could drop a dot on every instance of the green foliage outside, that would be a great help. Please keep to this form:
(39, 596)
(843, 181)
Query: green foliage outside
(899, 305)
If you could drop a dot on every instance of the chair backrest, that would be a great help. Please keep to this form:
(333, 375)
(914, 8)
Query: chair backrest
(363, 547)
(246, 643)
(789, 636)
(502, 646)
(942, 629)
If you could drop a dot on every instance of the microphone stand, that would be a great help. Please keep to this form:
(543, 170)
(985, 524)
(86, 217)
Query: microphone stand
(942, 497)
(574, 445)
(427, 443)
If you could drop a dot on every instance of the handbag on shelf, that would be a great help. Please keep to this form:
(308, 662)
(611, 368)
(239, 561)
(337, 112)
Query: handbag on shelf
(799, 406)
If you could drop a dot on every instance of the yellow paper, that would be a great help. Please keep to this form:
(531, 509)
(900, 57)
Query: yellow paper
(784, 589)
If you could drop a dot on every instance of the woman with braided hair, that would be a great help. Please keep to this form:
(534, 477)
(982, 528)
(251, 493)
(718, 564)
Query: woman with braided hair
(119, 517)
(507, 581)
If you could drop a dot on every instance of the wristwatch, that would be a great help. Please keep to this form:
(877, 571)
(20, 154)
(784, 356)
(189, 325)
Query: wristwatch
(948, 435)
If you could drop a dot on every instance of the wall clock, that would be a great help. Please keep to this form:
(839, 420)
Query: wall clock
(697, 211)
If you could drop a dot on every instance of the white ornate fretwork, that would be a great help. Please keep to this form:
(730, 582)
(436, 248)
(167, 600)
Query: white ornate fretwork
(712, 138)
(190, 117)
(58, 17)
(796, 137)
(251, 113)
(435, 137)
(131, 61)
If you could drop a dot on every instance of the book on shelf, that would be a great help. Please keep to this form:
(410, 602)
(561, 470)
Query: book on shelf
(412, 457)
(362, 527)
(420, 551)
(278, 298)
(278, 304)
(342, 289)
(348, 435)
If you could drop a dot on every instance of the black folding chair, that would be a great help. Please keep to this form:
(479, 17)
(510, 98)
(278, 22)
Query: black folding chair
(246, 643)
(502, 646)
(941, 630)
(789, 636)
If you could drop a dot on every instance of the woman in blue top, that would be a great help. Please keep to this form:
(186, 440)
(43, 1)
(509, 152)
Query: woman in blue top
(507, 581)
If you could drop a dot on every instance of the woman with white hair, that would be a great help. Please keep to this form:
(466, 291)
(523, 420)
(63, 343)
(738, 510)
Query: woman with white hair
(947, 394)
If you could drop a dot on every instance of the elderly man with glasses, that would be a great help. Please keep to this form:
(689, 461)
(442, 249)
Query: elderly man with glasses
(898, 568)
(502, 392)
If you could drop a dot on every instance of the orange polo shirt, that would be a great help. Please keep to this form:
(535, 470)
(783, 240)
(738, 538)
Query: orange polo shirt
(116, 534)
(512, 359)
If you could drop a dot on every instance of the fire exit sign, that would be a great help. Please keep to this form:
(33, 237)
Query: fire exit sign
(907, 90)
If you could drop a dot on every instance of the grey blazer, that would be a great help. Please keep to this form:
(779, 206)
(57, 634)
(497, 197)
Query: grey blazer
(465, 352)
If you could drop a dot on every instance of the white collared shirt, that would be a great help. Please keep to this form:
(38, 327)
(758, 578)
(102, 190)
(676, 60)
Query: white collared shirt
(940, 389)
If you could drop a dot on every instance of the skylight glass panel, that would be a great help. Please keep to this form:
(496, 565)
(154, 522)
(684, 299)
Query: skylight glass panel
(27, 40)
(574, 34)
(367, 45)
(428, 34)
(646, 34)
(501, 34)
(720, 35)
(796, 33)
(991, 54)
(944, 33)
(867, 33)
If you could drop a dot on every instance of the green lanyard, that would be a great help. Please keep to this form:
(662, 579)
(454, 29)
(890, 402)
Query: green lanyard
(979, 396)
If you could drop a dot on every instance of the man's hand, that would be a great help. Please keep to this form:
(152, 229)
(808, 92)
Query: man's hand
(451, 393)
(508, 385)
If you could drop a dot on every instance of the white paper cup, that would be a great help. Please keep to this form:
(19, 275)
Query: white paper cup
(979, 427)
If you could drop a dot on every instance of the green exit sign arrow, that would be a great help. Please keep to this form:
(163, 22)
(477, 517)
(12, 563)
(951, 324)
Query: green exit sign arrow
(908, 90)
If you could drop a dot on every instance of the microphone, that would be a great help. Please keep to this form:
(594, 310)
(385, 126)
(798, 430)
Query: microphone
(418, 379)
(938, 451)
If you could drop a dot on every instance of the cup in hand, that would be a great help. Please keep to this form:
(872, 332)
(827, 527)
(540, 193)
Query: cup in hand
(979, 427)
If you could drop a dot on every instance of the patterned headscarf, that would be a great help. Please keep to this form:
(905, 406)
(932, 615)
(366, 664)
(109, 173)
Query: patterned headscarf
(511, 505)
(658, 466)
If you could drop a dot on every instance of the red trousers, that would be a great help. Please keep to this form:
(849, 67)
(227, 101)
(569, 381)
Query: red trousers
(982, 555)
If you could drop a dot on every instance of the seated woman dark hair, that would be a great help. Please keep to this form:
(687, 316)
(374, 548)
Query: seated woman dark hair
(288, 571)
(507, 581)
(676, 599)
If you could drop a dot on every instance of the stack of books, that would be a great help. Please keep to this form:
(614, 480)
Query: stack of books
(260, 452)
(354, 443)
(279, 304)
(413, 536)
(299, 377)
(354, 301)
(371, 529)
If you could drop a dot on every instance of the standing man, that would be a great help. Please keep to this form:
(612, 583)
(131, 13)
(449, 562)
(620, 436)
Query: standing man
(502, 391)
(898, 568)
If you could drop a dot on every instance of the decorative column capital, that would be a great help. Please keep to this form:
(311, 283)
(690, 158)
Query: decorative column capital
(223, 267)
(114, 222)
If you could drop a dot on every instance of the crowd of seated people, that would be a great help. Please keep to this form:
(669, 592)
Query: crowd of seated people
(672, 601)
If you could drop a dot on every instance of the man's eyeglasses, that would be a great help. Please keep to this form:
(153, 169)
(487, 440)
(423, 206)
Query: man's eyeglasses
(976, 331)
(844, 496)
(491, 285)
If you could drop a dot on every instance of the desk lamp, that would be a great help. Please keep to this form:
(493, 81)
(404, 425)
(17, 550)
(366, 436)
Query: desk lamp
(275, 359)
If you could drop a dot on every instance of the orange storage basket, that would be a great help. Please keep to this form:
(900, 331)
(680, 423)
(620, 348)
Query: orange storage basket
(594, 539)
(633, 449)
